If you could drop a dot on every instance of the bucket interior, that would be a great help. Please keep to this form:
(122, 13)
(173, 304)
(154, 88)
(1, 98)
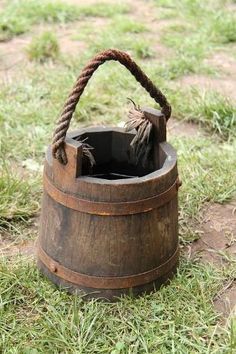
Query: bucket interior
(114, 156)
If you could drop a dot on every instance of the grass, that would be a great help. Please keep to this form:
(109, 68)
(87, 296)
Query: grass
(179, 318)
(103, 10)
(142, 50)
(196, 155)
(18, 198)
(223, 28)
(182, 65)
(160, 322)
(43, 47)
(18, 17)
(206, 177)
(213, 111)
(120, 33)
(198, 32)
(126, 25)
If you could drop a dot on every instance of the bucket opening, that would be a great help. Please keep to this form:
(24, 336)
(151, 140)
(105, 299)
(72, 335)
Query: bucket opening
(114, 156)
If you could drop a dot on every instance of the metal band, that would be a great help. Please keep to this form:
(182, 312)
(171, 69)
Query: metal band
(110, 208)
(89, 281)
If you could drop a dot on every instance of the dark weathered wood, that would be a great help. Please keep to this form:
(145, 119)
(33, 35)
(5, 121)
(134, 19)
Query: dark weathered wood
(158, 121)
(110, 246)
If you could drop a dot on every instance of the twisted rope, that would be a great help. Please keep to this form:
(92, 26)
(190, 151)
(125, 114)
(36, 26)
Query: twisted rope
(123, 58)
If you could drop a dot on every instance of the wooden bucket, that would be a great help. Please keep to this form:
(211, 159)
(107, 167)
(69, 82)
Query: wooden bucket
(110, 229)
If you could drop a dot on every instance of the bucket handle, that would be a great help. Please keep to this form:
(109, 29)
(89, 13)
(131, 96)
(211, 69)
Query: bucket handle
(58, 149)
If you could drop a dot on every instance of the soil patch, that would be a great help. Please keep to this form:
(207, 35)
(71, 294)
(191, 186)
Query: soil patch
(144, 10)
(224, 62)
(146, 13)
(226, 84)
(67, 44)
(26, 248)
(12, 57)
(182, 128)
(24, 243)
(217, 243)
(231, 7)
(225, 301)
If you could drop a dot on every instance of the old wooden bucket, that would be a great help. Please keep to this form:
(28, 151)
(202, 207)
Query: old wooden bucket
(110, 229)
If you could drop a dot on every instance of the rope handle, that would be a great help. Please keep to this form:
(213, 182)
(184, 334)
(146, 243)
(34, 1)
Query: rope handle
(123, 58)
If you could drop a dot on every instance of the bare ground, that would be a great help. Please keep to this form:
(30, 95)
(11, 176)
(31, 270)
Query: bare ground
(225, 301)
(218, 235)
(12, 57)
(225, 84)
(217, 246)
(21, 242)
(26, 248)
(183, 129)
(13, 53)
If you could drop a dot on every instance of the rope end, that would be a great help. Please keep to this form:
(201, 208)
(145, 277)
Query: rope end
(141, 143)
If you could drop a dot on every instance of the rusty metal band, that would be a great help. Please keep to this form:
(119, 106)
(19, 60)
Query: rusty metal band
(109, 208)
(89, 281)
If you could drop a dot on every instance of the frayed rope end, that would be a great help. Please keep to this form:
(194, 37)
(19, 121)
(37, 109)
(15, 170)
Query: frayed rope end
(141, 143)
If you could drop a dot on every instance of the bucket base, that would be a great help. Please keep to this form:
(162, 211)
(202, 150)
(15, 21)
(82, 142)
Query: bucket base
(112, 295)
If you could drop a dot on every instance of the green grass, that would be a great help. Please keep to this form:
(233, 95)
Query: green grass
(124, 24)
(223, 28)
(183, 64)
(215, 112)
(122, 33)
(206, 177)
(179, 318)
(199, 30)
(102, 9)
(142, 49)
(18, 198)
(18, 17)
(43, 47)
(211, 110)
